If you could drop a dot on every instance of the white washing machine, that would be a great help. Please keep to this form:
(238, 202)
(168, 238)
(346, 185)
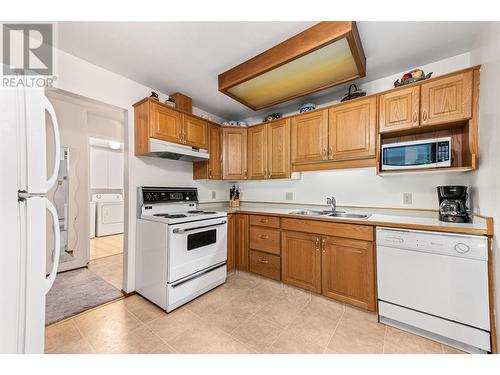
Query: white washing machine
(109, 214)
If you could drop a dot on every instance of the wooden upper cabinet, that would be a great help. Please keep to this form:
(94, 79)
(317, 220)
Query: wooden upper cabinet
(234, 153)
(215, 152)
(399, 109)
(348, 271)
(195, 132)
(310, 137)
(257, 152)
(301, 260)
(165, 123)
(211, 169)
(447, 99)
(352, 130)
(278, 149)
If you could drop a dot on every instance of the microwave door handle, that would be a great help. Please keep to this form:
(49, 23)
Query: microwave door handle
(180, 231)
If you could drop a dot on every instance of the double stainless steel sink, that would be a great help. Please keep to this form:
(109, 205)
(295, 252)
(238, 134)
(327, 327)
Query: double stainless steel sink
(337, 214)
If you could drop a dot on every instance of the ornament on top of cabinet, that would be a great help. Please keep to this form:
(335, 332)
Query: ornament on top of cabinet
(272, 116)
(353, 93)
(170, 101)
(154, 95)
(413, 76)
(306, 107)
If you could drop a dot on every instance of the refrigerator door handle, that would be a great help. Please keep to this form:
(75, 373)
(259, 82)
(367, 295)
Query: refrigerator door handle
(57, 152)
(49, 281)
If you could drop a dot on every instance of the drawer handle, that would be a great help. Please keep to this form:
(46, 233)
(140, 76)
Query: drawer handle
(264, 236)
(263, 261)
(414, 116)
(424, 115)
(264, 220)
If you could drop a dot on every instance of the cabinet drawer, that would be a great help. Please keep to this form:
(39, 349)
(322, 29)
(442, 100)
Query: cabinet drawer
(265, 221)
(355, 231)
(265, 264)
(265, 239)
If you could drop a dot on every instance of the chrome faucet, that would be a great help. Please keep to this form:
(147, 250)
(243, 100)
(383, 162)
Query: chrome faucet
(332, 202)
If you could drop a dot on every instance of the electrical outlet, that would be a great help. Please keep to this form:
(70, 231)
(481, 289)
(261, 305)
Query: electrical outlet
(407, 198)
(289, 195)
(213, 195)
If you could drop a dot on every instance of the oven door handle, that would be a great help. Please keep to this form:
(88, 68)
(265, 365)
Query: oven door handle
(178, 230)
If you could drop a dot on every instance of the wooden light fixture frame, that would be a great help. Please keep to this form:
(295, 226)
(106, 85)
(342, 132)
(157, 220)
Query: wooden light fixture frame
(312, 39)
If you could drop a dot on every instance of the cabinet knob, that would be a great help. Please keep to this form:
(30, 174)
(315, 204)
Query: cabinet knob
(424, 115)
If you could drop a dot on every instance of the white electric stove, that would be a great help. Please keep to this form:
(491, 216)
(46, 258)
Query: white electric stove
(181, 250)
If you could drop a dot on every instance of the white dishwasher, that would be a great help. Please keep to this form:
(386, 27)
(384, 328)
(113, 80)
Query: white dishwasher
(435, 285)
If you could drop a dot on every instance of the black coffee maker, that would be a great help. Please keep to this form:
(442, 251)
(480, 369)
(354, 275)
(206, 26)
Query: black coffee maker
(452, 204)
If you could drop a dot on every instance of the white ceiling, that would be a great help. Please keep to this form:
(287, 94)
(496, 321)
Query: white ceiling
(188, 56)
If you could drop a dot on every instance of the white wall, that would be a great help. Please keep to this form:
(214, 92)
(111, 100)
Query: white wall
(83, 78)
(486, 179)
(363, 186)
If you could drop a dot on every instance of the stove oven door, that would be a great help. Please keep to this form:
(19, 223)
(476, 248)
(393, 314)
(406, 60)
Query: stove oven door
(195, 246)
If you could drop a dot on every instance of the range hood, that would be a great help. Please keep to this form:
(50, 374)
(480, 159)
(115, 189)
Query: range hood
(169, 150)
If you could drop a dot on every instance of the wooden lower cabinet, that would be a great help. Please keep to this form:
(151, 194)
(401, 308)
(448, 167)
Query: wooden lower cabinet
(241, 241)
(264, 264)
(301, 260)
(231, 242)
(348, 271)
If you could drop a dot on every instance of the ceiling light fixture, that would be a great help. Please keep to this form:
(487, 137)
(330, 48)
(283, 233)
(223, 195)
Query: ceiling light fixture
(325, 55)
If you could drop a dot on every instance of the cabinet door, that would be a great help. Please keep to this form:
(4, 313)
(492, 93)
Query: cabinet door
(195, 132)
(115, 170)
(399, 109)
(301, 260)
(448, 99)
(98, 168)
(257, 152)
(234, 153)
(165, 123)
(241, 241)
(278, 149)
(310, 137)
(214, 149)
(352, 129)
(231, 242)
(348, 271)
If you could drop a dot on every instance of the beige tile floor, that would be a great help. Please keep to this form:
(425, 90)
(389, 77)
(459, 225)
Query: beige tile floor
(248, 314)
(109, 268)
(106, 246)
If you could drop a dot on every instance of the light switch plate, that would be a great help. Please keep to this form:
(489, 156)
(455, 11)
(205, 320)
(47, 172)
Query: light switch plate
(289, 195)
(407, 198)
(213, 195)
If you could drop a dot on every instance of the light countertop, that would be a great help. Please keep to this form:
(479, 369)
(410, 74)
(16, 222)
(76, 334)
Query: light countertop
(398, 218)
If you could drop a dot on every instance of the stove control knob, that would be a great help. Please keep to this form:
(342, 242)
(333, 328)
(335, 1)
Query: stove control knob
(462, 248)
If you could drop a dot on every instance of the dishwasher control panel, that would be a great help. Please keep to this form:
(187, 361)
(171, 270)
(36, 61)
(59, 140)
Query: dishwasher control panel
(474, 247)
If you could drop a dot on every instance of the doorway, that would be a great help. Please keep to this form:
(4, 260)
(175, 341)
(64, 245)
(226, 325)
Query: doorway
(89, 200)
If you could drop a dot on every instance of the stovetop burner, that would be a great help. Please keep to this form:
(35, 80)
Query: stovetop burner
(201, 212)
(171, 216)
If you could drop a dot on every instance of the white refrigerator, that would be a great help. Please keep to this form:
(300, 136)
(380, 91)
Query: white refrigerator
(24, 180)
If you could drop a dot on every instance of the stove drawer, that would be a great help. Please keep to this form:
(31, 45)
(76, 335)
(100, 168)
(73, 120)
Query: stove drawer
(265, 264)
(265, 239)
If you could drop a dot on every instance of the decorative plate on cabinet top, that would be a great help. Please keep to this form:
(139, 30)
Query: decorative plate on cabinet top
(413, 76)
